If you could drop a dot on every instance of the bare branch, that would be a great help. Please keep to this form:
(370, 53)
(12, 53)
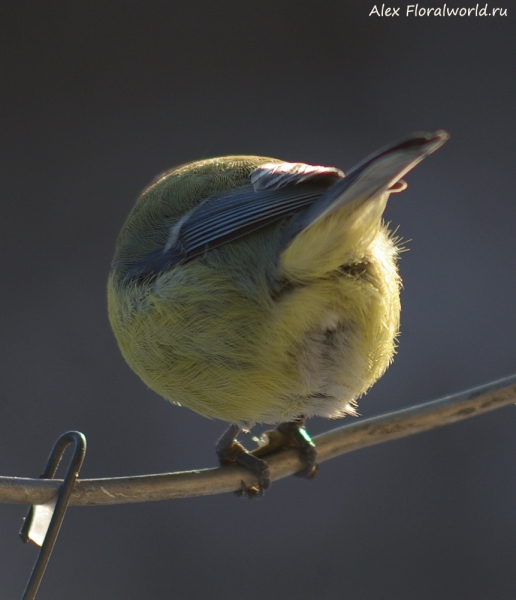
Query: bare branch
(167, 486)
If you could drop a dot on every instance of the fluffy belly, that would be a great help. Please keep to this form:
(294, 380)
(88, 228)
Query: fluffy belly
(333, 367)
(313, 350)
(341, 357)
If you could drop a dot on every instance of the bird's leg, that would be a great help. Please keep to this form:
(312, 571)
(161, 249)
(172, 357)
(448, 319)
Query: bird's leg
(293, 435)
(231, 452)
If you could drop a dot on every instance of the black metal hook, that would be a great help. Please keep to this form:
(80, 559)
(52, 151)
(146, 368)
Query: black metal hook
(56, 508)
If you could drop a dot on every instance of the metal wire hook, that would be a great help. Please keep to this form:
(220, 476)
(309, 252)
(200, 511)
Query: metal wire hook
(56, 508)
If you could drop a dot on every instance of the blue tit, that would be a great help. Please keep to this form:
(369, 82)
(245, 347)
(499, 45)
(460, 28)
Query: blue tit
(254, 290)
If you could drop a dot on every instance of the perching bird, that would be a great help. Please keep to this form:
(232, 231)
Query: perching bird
(254, 290)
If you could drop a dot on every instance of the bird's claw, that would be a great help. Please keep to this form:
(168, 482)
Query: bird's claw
(291, 435)
(287, 435)
(258, 467)
(231, 452)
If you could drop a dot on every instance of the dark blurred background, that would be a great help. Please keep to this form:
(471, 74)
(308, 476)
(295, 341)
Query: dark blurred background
(99, 97)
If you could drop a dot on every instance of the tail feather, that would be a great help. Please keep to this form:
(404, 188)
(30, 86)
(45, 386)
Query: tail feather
(346, 218)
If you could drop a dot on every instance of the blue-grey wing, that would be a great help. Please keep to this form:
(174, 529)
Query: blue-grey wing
(275, 191)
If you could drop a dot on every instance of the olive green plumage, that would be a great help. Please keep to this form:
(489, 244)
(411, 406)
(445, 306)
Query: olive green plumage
(258, 329)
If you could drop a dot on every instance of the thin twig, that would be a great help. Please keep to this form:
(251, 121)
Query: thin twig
(167, 486)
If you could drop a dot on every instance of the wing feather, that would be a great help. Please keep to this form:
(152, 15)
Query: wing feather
(275, 191)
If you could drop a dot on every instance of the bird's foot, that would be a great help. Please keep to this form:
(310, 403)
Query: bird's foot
(231, 452)
(292, 435)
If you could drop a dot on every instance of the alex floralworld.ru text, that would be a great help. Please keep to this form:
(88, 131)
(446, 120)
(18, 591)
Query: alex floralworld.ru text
(414, 10)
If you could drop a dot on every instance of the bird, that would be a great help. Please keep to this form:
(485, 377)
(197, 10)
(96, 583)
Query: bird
(254, 290)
